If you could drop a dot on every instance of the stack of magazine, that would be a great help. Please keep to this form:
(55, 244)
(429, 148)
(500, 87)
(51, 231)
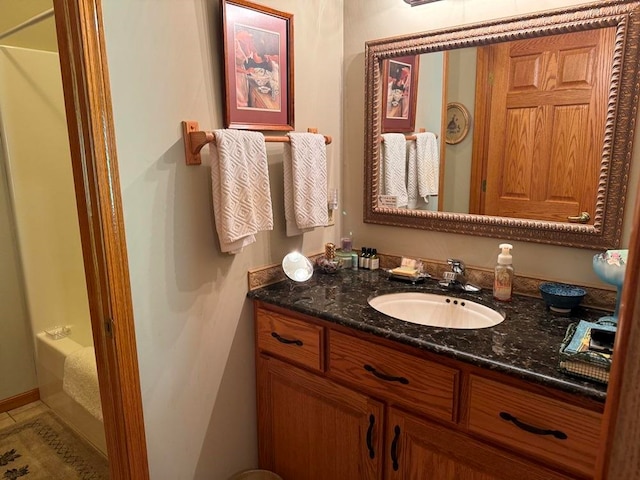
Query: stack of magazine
(577, 359)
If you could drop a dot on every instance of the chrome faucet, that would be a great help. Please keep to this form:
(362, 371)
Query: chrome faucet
(455, 278)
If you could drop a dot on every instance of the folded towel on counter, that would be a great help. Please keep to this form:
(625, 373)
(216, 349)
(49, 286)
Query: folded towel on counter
(423, 169)
(241, 191)
(305, 182)
(80, 380)
(394, 167)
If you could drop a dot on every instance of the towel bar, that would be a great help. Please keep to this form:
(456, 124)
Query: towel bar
(195, 139)
(411, 137)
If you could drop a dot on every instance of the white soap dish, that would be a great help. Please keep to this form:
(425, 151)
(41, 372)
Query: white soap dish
(57, 332)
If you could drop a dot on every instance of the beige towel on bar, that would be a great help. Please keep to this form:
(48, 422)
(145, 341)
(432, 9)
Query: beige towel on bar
(241, 191)
(423, 169)
(394, 167)
(305, 182)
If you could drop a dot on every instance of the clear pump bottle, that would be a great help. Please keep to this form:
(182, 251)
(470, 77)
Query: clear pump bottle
(503, 281)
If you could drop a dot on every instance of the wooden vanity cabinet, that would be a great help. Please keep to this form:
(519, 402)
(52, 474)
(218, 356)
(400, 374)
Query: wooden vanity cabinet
(337, 406)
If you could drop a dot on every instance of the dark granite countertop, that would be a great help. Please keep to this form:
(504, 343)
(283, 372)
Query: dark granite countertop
(525, 345)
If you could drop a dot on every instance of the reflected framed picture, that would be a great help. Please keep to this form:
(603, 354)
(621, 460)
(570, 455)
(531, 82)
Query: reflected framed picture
(457, 123)
(400, 93)
(258, 66)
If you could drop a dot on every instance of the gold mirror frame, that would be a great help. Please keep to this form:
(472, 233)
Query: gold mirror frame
(618, 140)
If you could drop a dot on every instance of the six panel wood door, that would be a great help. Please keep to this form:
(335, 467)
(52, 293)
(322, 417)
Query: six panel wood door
(312, 429)
(547, 111)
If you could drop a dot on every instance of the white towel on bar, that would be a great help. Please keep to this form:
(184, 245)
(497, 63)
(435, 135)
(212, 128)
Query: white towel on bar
(80, 380)
(423, 169)
(394, 167)
(305, 182)
(241, 191)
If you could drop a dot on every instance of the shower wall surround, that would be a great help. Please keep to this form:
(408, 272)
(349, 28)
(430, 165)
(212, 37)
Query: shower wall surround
(41, 206)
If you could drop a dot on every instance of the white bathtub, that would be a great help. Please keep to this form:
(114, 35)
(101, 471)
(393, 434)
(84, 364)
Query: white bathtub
(51, 355)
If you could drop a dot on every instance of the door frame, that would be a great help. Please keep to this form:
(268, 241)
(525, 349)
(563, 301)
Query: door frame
(620, 434)
(87, 98)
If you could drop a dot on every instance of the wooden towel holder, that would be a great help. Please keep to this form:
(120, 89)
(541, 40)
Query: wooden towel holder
(410, 137)
(195, 139)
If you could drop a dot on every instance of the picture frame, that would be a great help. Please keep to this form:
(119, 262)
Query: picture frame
(258, 66)
(457, 123)
(400, 94)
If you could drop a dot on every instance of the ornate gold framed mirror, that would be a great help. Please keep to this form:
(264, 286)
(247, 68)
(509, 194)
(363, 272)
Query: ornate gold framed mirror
(552, 117)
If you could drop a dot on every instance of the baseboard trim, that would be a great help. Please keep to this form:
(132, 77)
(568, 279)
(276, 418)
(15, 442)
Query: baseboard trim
(19, 400)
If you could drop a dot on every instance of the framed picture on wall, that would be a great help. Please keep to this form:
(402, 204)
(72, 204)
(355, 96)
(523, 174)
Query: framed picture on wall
(457, 123)
(258, 66)
(400, 93)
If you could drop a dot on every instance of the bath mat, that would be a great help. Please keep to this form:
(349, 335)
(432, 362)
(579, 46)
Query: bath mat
(44, 448)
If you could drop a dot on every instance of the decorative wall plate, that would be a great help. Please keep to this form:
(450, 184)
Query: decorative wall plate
(457, 123)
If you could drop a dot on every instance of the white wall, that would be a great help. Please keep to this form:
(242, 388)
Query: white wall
(194, 326)
(17, 364)
(370, 19)
(38, 36)
(460, 88)
(39, 171)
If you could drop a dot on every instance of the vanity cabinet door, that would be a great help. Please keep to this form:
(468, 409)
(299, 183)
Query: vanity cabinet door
(419, 450)
(309, 428)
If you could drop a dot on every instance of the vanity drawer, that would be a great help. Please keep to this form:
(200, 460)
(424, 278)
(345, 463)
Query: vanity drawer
(291, 339)
(394, 376)
(549, 429)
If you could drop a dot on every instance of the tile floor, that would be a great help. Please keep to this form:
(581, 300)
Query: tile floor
(22, 413)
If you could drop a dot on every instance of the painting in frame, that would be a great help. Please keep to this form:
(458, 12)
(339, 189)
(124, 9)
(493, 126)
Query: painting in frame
(400, 93)
(258, 66)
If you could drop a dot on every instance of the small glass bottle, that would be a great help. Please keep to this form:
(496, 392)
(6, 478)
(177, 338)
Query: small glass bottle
(363, 251)
(367, 258)
(374, 260)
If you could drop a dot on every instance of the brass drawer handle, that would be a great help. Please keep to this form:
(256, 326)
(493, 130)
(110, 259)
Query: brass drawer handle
(286, 341)
(584, 217)
(531, 429)
(384, 376)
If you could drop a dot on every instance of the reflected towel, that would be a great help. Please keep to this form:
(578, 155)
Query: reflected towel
(80, 380)
(423, 170)
(241, 191)
(305, 182)
(394, 167)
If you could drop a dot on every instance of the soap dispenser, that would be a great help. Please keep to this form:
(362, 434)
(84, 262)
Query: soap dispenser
(503, 281)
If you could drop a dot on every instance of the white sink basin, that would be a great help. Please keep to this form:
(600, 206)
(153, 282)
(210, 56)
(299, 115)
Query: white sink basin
(436, 310)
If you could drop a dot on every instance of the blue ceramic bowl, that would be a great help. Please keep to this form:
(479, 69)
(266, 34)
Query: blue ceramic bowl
(561, 298)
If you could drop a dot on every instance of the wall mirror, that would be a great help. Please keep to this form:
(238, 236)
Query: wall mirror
(552, 103)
